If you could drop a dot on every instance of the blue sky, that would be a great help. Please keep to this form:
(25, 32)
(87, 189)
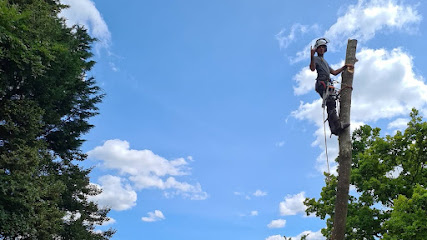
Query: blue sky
(211, 128)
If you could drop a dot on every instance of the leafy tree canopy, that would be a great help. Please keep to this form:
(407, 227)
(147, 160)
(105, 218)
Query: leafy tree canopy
(389, 175)
(46, 100)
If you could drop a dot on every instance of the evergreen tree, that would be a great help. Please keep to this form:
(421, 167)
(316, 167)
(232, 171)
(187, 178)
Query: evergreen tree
(390, 176)
(46, 100)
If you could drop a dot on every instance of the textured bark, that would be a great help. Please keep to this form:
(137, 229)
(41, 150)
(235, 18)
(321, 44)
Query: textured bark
(341, 203)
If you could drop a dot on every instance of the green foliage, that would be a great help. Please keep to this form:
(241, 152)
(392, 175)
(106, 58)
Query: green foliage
(385, 171)
(409, 217)
(45, 103)
(27, 194)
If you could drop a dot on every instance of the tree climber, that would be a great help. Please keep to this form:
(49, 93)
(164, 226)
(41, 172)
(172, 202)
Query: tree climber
(324, 85)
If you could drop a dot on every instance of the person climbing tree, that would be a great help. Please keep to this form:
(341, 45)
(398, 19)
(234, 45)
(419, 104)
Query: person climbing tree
(324, 85)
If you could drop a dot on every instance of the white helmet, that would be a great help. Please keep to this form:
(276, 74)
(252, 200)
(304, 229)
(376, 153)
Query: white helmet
(321, 42)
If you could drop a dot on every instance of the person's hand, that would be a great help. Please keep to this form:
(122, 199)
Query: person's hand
(312, 50)
(349, 66)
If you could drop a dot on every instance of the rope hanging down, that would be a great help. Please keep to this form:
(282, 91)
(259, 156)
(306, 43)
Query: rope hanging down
(326, 145)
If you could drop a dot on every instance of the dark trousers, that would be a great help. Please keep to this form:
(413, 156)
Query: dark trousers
(331, 105)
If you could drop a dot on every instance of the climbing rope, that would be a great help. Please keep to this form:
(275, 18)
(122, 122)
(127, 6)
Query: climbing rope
(326, 145)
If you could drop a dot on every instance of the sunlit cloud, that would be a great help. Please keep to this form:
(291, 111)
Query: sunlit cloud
(362, 21)
(85, 13)
(147, 170)
(293, 204)
(115, 194)
(278, 223)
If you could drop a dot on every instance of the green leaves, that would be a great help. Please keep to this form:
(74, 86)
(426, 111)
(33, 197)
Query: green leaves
(45, 103)
(409, 217)
(386, 173)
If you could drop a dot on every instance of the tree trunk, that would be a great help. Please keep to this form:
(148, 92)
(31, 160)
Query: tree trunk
(341, 203)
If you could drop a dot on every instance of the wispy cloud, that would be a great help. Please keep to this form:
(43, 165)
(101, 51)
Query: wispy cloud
(285, 39)
(280, 144)
(247, 196)
(155, 216)
(259, 193)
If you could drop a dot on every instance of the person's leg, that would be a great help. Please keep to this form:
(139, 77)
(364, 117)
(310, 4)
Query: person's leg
(320, 88)
(334, 122)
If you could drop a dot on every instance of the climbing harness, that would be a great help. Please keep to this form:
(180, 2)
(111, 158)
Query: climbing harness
(329, 91)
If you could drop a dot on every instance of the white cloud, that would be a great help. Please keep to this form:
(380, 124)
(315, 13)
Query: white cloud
(115, 194)
(293, 204)
(109, 222)
(155, 216)
(285, 40)
(275, 237)
(117, 154)
(279, 223)
(400, 124)
(384, 87)
(305, 80)
(364, 19)
(71, 217)
(147, 170)
(395, 172)
(259, 193)
(252, 213)
(74, 216)
(84, 12)
(192, 192)
(280, 144)
(311, 235)
(386, 80)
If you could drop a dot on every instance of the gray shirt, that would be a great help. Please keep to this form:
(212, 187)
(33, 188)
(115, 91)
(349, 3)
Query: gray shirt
(322, 67)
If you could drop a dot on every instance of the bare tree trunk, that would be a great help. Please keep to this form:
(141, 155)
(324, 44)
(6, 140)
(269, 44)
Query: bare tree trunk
(341, 203)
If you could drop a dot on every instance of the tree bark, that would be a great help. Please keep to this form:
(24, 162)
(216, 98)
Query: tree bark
(345, 148)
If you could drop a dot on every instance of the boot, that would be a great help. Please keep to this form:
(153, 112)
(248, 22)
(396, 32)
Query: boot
(344, 126)
(339, 128)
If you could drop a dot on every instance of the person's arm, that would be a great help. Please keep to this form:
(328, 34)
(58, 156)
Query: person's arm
(339, 70)
(312, 64)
